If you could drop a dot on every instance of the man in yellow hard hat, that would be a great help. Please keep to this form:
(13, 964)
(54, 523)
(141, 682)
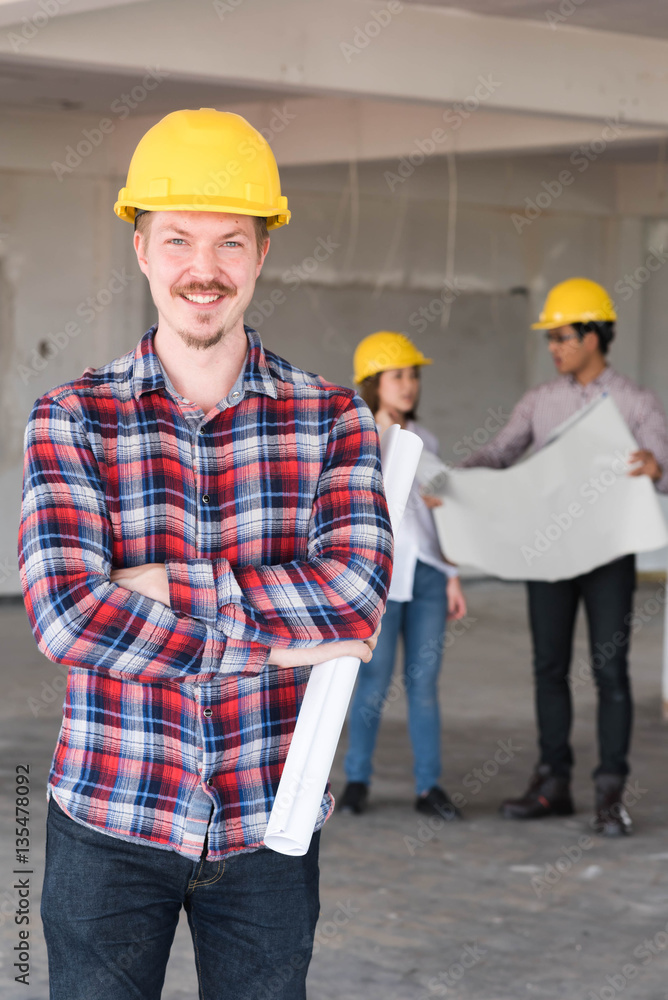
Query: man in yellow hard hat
(201, 522)
(579, 320)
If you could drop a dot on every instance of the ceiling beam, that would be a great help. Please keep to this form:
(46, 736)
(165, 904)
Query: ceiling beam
(355, 130)
(384, 49)
(30, 16)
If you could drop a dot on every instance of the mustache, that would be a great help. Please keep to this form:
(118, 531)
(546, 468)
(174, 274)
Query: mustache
(213, 288)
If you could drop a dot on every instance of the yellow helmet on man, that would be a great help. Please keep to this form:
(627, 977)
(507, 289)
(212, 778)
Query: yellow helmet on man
(204, 161)
(577, 300)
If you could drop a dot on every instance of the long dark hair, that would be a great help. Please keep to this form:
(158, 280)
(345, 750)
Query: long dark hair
(368, 390)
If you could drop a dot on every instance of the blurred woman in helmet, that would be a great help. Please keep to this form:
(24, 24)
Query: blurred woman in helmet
(425, 591)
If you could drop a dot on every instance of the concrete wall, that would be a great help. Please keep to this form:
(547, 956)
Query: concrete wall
(363, 252)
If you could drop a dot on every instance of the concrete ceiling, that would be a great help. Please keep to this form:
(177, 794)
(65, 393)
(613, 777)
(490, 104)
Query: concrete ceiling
(32, 85)
(634, 17)
(364, 89)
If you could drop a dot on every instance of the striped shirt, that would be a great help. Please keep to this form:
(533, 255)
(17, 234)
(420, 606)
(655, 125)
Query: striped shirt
(270, 517)
(544, 407)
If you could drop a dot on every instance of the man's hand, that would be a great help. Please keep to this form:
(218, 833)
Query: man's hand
(361, 649)
(456, 600)
(645, 465)
(149, 579)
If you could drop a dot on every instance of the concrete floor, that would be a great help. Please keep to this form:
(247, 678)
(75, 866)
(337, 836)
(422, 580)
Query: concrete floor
(483, 909)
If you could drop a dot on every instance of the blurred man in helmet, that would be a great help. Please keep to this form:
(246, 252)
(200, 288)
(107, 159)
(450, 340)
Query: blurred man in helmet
(579, 320)
(201, 522)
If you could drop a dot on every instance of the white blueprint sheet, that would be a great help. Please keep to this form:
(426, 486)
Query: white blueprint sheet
(565, 510)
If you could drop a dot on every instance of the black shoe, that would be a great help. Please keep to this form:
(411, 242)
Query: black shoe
(547, 795)
(612, 819)
(437, 803)
(354, 797)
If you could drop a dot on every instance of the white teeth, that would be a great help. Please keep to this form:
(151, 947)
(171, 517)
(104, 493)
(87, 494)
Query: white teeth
(201, 299)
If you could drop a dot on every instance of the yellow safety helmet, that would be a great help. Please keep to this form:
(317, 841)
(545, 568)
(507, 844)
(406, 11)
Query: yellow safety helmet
(204, 161)
(382, 351)
(577, 300)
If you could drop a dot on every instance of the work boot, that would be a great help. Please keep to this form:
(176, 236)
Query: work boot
(437, 802)
(612, 819)
(354, 797)
(547, 795)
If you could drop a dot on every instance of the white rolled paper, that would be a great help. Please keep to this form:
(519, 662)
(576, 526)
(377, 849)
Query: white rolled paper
(330, 687)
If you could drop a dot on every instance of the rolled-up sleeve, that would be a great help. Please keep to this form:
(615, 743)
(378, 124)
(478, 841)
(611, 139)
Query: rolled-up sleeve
(77, 615)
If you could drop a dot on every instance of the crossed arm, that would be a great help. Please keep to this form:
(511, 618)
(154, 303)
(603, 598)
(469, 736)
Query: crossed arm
(212, 618)
(150, 579)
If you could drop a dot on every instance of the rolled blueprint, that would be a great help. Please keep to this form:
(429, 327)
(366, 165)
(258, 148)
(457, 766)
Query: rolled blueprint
(330, 688)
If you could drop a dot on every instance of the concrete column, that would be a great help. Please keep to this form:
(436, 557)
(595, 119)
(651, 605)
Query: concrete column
(623, 253)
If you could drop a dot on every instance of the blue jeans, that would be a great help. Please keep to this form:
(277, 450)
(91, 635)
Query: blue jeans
(110, 910)
(421, 623)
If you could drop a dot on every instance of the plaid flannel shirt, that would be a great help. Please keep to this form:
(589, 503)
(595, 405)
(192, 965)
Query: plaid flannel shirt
(271, 520)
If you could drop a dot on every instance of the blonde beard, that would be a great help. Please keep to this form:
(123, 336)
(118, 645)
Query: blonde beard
(197, 343)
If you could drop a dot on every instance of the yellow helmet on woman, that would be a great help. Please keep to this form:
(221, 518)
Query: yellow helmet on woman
(382, 351)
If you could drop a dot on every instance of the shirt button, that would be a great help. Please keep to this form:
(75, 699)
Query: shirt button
(235, 395)
(207, 713)
(209, 782)
(206, 498)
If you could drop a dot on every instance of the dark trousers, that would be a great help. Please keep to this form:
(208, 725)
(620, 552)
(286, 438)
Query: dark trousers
(110, 910)
(607, 593)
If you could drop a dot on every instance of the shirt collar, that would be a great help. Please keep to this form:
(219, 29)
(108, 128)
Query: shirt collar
(148, 375)
(599, 382)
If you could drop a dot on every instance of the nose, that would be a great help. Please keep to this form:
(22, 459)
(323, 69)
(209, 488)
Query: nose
(203, 265)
